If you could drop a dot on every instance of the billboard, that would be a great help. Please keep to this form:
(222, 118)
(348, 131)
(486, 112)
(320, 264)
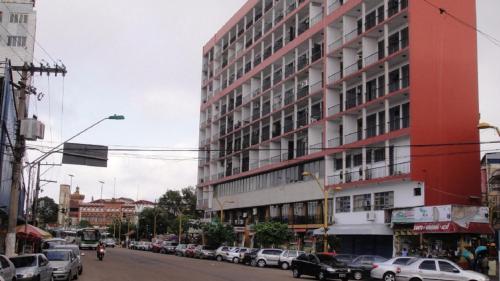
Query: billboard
(85, 154)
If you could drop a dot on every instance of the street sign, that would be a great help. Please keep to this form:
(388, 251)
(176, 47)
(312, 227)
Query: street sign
(85, 154)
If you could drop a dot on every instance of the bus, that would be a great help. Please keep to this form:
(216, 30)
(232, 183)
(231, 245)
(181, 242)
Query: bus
(88, 238)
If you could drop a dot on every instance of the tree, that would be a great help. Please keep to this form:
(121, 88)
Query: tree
(272, 234)
(47, 211)
(147, 221)
(217, 234)
(175, 202)
(84, 224)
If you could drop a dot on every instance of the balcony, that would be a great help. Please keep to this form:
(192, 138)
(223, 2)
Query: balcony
(351, 35)
(302, 121)
(315, 148)
(276, 159)
(335, 5)
(288, 126)
(302, 62)
(335, 77)
(278, 45)
(266, 109)
(268, 52)
(335, 142)
(317, 18)
(289, 69)
(302, 92)
(353, 137)
(289, 97)
(335, 109)
(303, 26)
(335, 179)
(335, 45)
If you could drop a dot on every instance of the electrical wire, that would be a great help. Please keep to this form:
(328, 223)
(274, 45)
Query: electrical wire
(442, 11)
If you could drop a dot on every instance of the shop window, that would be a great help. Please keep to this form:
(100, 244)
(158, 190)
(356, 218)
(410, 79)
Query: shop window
(362, 202)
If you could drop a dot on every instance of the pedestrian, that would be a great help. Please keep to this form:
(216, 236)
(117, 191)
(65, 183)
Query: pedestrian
(404, 252)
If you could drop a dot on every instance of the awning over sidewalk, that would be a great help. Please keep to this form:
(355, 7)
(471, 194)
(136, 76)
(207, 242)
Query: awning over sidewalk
(33, 231)
(452, 227)
(356, 229)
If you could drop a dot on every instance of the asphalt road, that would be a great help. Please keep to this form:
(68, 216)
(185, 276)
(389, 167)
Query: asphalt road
(130, 265)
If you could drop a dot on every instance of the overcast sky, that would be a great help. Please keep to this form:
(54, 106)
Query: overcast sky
(142, 59)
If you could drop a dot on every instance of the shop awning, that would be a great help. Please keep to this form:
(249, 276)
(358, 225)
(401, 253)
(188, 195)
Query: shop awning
(32, 231)
(451, 227)
(356, 229)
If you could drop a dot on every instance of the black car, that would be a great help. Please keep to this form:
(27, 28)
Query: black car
(323, 267)
(363, 265)
(250, 256)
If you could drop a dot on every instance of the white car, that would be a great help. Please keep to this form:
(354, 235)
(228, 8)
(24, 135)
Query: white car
(436, 270)
(287, 257)
(221, 252)
(236, 255)
(7, 271)
(387, 270)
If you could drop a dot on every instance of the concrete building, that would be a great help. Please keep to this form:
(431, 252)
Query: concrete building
(64, 205)
(490, 185)
(358, 92)
(17, 35)
(76, 199)
(105, 212)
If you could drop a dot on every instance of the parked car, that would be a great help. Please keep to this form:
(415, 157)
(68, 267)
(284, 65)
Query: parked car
(50, 243)
(436, 270)
(267, 257)
(249, 256)
(362, 265)
(32, 267)
(63, 262)
(189, 252)
(236, 255)
(221, 252)
(204, 252)
(131, 245)
(345, 258)
(109, 242)
(321, 266)
(7, 271)
(76, 251)
(180, 250)
(287, 257)
(157, 246)
(387, 270)
(143, 246)
(168, 247)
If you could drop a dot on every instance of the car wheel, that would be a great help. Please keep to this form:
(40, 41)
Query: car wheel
(236, 260)
(162, 251)
(296, 273)
(321, 276)
(219, 258)
(253, 263)
(389, 276)
(261, 263)
(285, 266)
(357, 275)
(76, 276)
(80, 271)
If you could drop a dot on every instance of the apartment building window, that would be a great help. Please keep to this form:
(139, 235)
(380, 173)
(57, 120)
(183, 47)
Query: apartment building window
(338, 164)
(343, 204)
(406, 115)
(16, 41)
(369, 156)
(18, 18)
(362, 202)
(358, 160)
(379, 155)
(384, 200)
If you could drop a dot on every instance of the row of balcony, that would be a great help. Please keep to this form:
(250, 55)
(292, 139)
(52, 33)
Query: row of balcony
(370, 173)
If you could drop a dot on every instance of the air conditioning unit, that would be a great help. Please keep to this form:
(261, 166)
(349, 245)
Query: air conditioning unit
(32, 129)
(370, 216)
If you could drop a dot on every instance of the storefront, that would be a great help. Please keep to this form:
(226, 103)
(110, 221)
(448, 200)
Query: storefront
(439, 231)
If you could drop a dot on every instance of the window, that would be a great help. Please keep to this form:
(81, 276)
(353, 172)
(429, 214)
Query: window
(447, 267)
(18, 18)
(312, 208)
(369, 156)
(362, 202)
(428, 265)
(401, 261)
(343, 204)
(379, 155)
(16, 41)
(384, 200)
(338, 164)
(358, 160)
(417, 191)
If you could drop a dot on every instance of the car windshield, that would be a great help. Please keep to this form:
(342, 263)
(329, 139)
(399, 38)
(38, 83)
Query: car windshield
(57, 255)
(327, 259)
(29, 261)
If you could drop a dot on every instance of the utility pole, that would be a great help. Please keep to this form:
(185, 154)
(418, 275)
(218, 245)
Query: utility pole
(37, 190)
(20, 147)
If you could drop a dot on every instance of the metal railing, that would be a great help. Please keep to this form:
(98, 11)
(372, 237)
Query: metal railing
(302, 92)
(317, 86)
(276, 159)
(335, 77)
(335, 142)
(336, 44)
(335, 179)
(317, 18)
(352, 137)
(315, 148)
(334, 6)
(332, 110)
(351, 35)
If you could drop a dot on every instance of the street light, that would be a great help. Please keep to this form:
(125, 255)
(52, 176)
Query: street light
(485, 125)
(221, 206)
(102, 184)
(325, 208)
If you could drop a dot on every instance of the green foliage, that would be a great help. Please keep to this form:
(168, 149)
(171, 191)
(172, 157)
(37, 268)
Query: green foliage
(47, 211)
(217, 234)
(84, 224)
(272, 234)
(147, 222)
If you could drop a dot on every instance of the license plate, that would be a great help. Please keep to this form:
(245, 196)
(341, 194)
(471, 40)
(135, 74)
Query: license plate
(342, 275)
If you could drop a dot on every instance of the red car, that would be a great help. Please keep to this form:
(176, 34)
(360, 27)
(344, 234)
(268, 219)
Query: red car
(157, 246)
(190, 250)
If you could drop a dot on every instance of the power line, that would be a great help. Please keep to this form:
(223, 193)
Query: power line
(443, 11)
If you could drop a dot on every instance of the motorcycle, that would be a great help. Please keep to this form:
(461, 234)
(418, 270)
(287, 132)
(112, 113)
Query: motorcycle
(100, 254)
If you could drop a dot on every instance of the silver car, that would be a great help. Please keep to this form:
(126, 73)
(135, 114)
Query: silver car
(221, 252)
(7, 271)
(435, 270)
(32, 267)
(287, 257)
(76, 251)
(63, 262)
(266, 257)
(236, 255)
(387, 270)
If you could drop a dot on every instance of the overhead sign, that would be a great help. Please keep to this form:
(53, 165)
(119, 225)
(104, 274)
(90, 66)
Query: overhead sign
(85, 154)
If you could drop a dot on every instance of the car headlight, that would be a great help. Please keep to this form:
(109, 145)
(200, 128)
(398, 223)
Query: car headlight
(348, 270)
(329, 269)
(28, 275)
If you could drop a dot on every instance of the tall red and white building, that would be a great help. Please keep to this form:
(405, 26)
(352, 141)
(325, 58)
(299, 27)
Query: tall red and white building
(371, 96)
